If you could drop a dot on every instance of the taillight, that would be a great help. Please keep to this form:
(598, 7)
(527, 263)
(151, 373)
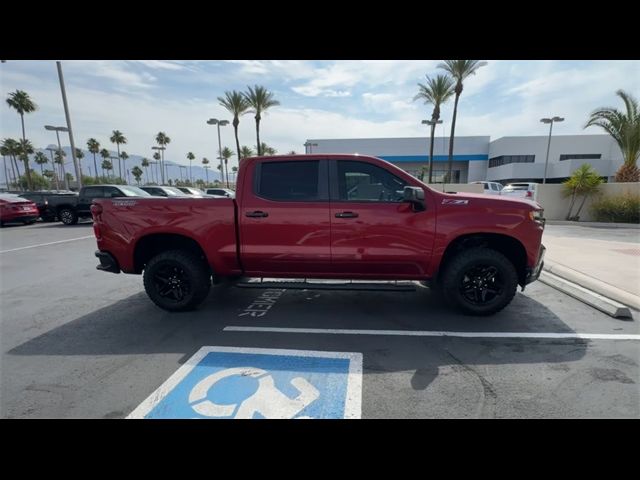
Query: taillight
(96, 209)
(96, 231)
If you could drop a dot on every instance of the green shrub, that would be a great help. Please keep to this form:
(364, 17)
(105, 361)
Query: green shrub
(623, 208)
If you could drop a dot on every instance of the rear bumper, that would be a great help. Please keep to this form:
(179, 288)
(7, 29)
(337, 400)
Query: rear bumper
(107, 262)
(20, 218)
(534, 273)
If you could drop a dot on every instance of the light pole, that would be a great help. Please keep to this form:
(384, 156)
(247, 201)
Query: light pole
(550, 122)
(161, 163)
(57, 130)
(112, 159)
(53, 167)
(206, 172)
(308, 145)
(432, 124)
(220, 123)
(180, 167)
(68, 117)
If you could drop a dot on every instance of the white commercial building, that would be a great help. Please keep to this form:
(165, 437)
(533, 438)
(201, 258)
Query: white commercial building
(506, 159)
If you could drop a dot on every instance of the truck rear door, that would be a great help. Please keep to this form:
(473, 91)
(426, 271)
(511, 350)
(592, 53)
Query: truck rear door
(284, 218)
(87, 196)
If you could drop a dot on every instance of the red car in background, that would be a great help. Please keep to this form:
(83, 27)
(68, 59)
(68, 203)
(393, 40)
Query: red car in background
(17, 209)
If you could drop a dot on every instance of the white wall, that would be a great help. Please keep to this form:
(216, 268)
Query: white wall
(556, 206)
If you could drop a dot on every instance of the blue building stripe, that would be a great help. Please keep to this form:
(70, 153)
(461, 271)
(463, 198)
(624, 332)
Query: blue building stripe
(436, 158)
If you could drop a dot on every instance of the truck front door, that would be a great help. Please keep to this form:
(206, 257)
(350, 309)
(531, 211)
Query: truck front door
(374, 233)
(284, 218)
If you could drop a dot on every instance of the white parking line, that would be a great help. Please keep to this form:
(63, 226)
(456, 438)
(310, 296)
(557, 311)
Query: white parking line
(425, 333)
(45, 244)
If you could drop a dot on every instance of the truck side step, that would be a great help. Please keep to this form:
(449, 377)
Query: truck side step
(319, 284)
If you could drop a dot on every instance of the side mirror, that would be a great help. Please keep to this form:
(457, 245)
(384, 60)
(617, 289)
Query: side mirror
(415, 196)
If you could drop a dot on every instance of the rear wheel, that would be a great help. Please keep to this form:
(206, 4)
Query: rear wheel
(480, 281)
(68, 216)
(177, 280)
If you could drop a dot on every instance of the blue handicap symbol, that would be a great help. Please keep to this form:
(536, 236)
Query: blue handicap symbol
(231, 382)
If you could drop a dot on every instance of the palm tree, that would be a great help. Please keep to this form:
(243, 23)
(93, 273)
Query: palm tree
(106, 165)
(124, 156)
(22, 103)
(227, 154)
(41, 159)
(25, 148)
(292, 152)
(205, 162)
(625, 130)
(191, 157)
(260, 100)
(60, 161)
(246, 152)
(584, 181)
(234, 169)
(12, 149)
(236, 104)
(145, 164)
(79, 157)
(137, 173)
(7, 150)
(436, 92)
(104, 153)
(94, 147)
(459, 70)
(156, 157)
(163, 140)
(118, 137)
(267, 150)
(5, 153)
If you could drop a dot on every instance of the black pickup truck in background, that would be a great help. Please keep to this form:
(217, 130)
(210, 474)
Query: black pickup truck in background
(42, 198)
(73, 207)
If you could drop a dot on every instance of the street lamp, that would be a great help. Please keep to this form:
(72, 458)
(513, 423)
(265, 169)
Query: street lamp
(432, 124)
(308, 145)
(161, 163)
(60, 129)
(53, 167)
(550, 122)
(76, 164)
(220, 123)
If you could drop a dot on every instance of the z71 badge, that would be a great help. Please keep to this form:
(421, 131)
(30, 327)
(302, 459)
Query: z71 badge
(454, 201)
(123, 203)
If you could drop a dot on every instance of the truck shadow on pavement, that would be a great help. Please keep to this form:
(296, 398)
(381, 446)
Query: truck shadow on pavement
(135, 326)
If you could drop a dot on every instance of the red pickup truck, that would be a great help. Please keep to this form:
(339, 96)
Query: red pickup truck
(325, 217)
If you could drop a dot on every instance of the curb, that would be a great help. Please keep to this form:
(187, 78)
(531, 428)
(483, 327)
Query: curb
(594, 224)
(590, 283)
(597, 301)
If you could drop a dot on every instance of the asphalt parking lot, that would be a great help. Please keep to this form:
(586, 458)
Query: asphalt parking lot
(79, 343)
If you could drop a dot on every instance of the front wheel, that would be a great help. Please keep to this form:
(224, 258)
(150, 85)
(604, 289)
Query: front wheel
(177, 280)
(480, 281)
(68, 216)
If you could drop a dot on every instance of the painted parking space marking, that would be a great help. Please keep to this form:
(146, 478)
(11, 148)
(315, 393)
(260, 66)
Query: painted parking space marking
(260, 306)
(235, 382)
(426, 333)
(46, 244)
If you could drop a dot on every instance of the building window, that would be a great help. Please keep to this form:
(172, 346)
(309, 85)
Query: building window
(581, 156)
(507, 159)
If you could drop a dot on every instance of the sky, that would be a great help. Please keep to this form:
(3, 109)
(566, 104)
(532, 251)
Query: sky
(318, 99)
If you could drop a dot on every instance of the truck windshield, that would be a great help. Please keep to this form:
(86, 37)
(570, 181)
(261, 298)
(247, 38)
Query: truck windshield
(130, 191)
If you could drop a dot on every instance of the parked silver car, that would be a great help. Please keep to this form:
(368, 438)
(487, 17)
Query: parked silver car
(490, 188)
(524, 190)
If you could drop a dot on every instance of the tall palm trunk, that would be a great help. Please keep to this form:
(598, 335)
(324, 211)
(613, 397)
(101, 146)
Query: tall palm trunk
(64, 176)
(13, 170)
(433, 129)
(226, 172)
(235, 131)
(453, 132)
(41, 170)
(6, 178)
(119, 169)
(26, 156)
(16, 176)
(95, 165)
(257, 134)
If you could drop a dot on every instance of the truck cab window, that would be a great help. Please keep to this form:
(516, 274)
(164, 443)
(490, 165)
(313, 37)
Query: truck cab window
(295, 181)
(365, 182)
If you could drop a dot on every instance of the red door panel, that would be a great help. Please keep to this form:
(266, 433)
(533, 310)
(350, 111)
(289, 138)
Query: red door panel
(293, 238)
(381, 237)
